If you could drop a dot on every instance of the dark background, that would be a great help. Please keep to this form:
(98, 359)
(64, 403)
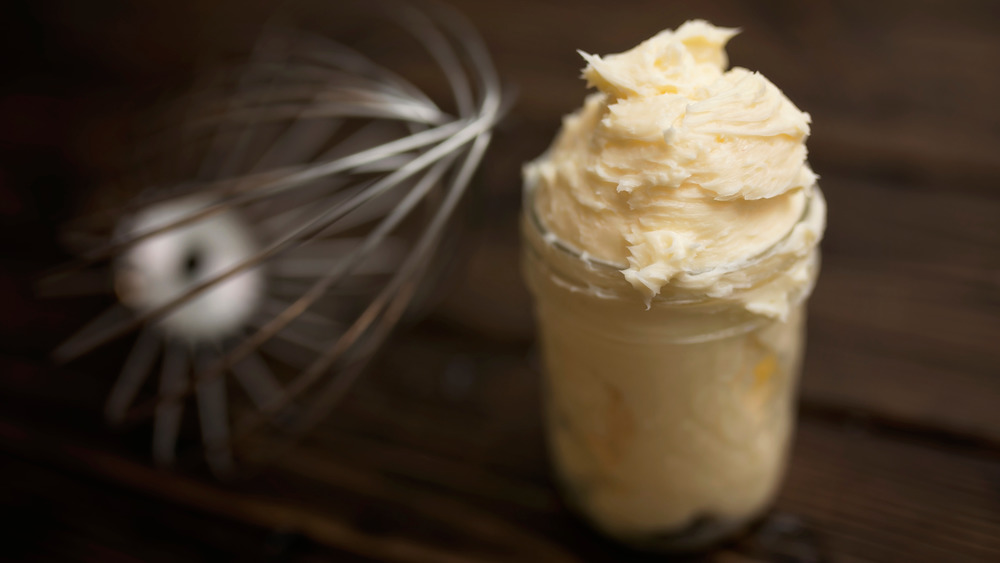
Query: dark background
(438, 454)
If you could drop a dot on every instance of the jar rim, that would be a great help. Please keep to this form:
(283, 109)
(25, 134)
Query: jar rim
(592, 262)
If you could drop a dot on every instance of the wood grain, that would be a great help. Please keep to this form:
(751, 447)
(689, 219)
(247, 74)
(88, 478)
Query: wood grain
(446, 491)
(437, 455)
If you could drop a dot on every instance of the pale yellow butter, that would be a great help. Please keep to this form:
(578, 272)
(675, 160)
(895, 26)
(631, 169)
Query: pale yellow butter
(678, 169)
(671, 240)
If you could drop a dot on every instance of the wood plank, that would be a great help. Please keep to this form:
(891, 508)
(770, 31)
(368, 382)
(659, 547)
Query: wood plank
(904, 321)
(61, 513)
(873, 498)
(360, 486)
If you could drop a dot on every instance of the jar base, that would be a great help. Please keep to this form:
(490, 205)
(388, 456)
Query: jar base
(703, 532)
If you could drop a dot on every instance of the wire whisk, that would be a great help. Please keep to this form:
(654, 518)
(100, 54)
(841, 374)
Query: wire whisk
(287, 210)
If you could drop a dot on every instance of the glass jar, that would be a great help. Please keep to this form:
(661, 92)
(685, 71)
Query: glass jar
(668, 426)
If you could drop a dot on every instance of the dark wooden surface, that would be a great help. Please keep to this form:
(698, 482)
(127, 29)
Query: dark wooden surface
(437, 455)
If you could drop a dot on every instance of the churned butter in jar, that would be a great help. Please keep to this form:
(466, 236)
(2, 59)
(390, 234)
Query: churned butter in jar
(670, 241)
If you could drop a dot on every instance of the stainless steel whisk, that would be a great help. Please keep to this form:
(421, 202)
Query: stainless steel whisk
(289, 209)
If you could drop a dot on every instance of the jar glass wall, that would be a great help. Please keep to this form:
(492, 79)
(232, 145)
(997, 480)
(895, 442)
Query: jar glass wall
(668, 426)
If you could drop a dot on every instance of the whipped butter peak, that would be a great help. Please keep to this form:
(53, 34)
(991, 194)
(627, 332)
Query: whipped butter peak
(678, 169)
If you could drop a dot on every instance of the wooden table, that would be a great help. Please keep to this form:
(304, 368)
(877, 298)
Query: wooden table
(437, 454)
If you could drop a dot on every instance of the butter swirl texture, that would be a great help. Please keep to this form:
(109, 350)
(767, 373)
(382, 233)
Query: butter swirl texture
(679, 170)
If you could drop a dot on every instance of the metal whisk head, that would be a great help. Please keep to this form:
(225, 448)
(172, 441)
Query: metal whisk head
(286, 212)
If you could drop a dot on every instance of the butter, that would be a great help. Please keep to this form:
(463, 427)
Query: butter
(671, 239)
(678, 170)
